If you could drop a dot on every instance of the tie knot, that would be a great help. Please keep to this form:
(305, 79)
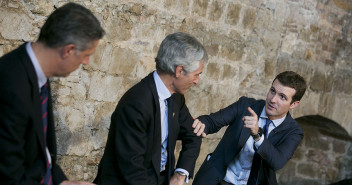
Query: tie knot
(268, 121)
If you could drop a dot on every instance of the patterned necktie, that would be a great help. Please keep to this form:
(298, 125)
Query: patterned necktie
(47, 180)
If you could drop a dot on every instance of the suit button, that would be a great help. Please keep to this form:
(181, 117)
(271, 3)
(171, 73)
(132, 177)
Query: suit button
(225, 167)
(217, 179)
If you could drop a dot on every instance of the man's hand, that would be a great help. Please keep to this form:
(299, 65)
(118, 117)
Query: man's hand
(199, 128)
(76, 183)
(177, 179)
(251, 122)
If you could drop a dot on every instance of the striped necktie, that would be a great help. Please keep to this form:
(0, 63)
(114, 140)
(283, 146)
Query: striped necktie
(47, 180)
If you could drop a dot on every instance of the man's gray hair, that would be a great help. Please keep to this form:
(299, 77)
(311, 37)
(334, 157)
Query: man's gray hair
(180, 49)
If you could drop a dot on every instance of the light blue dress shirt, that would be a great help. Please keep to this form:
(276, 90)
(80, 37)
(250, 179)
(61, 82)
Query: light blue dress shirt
(164, 94)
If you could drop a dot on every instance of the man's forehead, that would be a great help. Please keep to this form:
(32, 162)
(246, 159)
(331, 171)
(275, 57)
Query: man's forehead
(280, 88)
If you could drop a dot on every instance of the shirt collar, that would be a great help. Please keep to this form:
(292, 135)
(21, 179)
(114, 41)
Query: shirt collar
(38, 70)
(162, 90)
(276, 122)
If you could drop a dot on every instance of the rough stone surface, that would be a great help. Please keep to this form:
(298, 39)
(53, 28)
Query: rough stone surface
(248, 42)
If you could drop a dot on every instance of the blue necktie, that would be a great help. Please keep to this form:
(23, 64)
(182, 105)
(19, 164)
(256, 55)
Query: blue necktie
(47, 180)
(266, 127)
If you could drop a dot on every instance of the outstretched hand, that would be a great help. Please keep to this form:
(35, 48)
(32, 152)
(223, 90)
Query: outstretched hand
(199, 128)
(251, 122)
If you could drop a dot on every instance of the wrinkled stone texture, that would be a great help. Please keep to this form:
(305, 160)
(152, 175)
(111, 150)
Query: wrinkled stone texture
(249, 43)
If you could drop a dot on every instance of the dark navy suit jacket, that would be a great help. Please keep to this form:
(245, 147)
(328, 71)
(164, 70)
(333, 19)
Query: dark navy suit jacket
(133, 149)
(273, 153)
(22, 156)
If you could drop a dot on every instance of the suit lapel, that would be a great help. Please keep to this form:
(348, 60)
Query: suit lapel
(157, 125)
(32, 76)
(283, 126)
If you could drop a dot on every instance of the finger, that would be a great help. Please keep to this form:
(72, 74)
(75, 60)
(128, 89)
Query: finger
(195, 122)
(198, 126)
(252, 112)
(201, 130)
(204, 135)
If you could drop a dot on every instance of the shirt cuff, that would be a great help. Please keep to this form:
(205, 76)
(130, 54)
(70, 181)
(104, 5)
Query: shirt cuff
(184, 171)
(258, 143)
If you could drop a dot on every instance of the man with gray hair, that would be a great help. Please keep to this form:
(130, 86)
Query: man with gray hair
(151, 116)
(27, 132)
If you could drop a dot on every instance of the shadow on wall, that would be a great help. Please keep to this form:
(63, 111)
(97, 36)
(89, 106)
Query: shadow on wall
(323, 157)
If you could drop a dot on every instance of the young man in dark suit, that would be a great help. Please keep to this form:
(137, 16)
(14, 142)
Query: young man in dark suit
(27, 134)
(151, 116)
(253, 147)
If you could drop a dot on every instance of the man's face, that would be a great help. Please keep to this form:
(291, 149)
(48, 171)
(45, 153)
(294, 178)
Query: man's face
(74, 59)
(278, 100)
(183, 82)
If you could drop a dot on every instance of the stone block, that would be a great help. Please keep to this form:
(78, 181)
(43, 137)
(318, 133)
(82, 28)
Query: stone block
(320, 157)
(200, 7)
(213, 71)
(249, 18)
(314, 140)
(232, 50)
(216, 10)
(307, 170)
(287, 173)
(228, 72)
(348, 83)
(289, 43)
(40, 7)
(119, 27)
(318, 81)
(233, 14)
(283, 63)
(15, 26)
(105, 87)
(123, 61)
(326, 103)
(102, 57)
(212, 49)
(269, 69)
(339, 146)
(77, 167)
(339, 81)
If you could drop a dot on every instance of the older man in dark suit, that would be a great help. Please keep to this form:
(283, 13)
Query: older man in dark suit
(151, 116)
(253, 147)
(27, 134)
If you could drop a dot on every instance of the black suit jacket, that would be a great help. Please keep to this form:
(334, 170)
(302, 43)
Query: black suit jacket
(273, 153)
(22, 156)
(133, 149)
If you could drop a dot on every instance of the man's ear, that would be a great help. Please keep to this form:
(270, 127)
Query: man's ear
(294, 104)
(67, 50)
(178, 71)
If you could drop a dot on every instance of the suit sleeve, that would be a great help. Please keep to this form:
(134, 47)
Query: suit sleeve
(13, 125)
(224, 117)
(131, 142)
(277, 156)
(190, 141)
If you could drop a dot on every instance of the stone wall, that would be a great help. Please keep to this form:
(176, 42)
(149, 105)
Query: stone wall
(249, 43)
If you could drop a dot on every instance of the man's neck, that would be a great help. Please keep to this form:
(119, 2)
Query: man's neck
(47, 58)
(167, 80)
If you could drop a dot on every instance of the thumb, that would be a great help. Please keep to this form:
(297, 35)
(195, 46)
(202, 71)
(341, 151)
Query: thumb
(252, 112)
